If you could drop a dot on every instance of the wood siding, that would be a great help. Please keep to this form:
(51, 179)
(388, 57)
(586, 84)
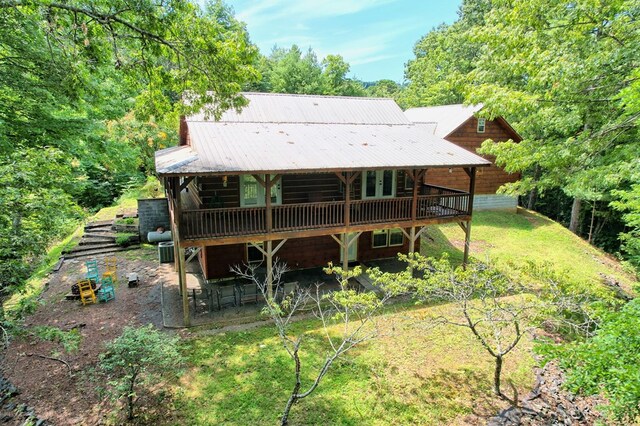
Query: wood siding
(488, 179)
(298, 253)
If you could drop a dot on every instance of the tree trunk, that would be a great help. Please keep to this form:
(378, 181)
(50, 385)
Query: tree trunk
(575, 215)
(496, 376)
(296, 390)
(593, 215)
(533, 195)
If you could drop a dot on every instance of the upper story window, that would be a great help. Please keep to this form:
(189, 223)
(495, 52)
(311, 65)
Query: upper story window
(482, 124)
(252, 192)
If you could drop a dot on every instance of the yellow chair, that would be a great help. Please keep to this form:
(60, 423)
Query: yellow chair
(86, 292)
(111, 266)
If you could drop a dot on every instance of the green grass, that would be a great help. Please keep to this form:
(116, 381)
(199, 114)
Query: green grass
(408, 375)
(506, 237)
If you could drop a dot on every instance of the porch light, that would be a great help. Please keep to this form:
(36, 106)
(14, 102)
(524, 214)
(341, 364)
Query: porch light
(450, 170)
(225, 180)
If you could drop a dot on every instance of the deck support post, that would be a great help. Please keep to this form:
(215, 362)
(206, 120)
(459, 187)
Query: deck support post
(466, 227)
(182, 278)
(471, 172)
(345, 242)
(269, 250)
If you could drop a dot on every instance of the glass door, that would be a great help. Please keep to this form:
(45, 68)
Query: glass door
(379, 184)
(252, 193)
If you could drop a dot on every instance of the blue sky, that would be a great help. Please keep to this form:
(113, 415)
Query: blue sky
(375, 37)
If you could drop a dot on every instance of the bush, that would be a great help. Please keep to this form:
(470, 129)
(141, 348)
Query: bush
(138, 358)
(609, 362)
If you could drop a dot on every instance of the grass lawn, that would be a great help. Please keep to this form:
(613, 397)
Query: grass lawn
(410, 374)
(509, 237)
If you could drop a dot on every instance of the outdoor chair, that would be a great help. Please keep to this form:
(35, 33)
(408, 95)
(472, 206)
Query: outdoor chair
(93, 272)
(111, 269)
(248, 293)
(86, 292)
(226, 296)
(106, 291)
(285, 290)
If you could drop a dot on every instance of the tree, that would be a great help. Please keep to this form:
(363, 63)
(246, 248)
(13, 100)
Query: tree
(384, 89)
(139, 357)
(494, 308)
(68, 72)
(351, 312)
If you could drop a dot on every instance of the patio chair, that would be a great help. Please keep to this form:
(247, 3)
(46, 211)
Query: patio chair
(111, 266)
(86, 292)
(226, 296)
(248, 293)
(285, 290)
(93, 273)
(106, 291)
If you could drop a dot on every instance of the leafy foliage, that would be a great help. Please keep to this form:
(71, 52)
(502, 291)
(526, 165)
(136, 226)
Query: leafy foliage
(292, 71)
(139, 357)
(609, 362)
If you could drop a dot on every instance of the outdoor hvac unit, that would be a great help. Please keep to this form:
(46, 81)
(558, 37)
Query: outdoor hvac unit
(165, 252)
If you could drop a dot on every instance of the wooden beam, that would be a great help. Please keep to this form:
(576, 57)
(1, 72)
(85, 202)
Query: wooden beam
(260, 180)
(338, 240)
(194, 254)
(412, 239)
(347, 200)
(269, 269)
(280, 244)
(264, 253)
(341, 177)
(463, 226)
(187, 181)
(472, 189)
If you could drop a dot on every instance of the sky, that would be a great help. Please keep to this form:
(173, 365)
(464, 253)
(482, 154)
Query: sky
(375, 37)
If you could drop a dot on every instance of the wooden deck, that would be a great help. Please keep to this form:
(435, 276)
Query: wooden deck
(287, 218)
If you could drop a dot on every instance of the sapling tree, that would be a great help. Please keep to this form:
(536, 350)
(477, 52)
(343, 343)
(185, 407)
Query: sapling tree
(496, 310)
(347, 316)
(139, 357)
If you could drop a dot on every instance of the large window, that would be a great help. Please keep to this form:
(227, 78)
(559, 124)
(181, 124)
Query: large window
(387, 238)
(252, 192)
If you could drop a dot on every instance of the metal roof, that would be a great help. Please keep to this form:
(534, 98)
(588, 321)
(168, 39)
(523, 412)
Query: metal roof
(239, 147)
(284, 108)
(444, 119)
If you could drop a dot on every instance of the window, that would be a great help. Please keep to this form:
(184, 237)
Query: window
(252, 192)
(379, 238)
(387, 238)
(254, 254)
(396, 237)
(408, 182)
(481, 125)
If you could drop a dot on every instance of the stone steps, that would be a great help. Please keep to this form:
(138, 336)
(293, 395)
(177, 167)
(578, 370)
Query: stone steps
(74, 255)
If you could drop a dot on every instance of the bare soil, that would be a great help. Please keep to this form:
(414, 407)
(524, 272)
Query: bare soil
(63, 395)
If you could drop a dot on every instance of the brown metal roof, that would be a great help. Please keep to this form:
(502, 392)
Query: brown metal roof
(284, 108)
(238, 147)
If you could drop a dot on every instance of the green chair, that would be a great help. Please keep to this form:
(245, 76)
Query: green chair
(106, 291)
(93, 273)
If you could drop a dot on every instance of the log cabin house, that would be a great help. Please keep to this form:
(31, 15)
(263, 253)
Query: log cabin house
(309, 179)
(458, 124)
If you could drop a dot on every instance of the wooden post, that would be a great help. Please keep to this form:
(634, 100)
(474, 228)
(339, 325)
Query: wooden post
(467, 242)
(269, 255)
(267, 202)
(412, 239)
(345, 251)
(182, 278)
(347, 199)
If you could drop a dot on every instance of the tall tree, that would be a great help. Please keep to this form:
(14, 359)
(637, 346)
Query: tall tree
(69, 68)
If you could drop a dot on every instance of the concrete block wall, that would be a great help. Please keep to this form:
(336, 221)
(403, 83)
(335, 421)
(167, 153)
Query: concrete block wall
(494, 202)
(152, 213)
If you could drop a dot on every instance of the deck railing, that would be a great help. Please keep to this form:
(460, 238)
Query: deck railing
(230, 222)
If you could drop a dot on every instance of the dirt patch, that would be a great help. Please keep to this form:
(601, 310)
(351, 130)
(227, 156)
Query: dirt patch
(549, 404)
(66, 395)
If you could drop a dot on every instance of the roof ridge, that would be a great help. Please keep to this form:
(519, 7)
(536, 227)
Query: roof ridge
(324, 123)
(304, 95)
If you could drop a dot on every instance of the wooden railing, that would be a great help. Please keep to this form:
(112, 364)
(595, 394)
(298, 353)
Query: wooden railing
(229, 222)
(381, 210)
(291, 217)
(206, 223)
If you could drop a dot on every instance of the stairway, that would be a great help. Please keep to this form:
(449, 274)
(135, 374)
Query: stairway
(98, 238)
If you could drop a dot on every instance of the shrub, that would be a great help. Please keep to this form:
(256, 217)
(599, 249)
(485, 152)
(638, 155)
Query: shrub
(138, 358)
(609, 362)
